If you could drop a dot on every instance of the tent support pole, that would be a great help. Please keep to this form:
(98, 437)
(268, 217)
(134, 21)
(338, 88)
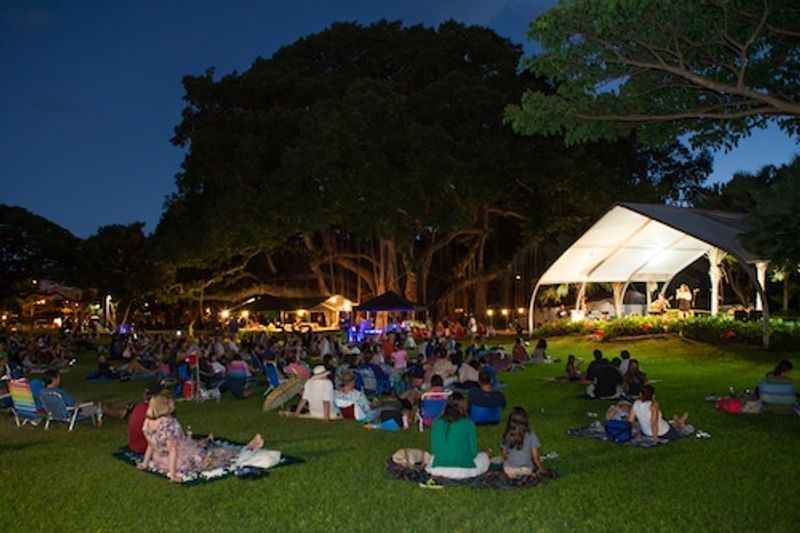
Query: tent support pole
(579, 299)
(532, 311)
(761, 274)
(765, 332)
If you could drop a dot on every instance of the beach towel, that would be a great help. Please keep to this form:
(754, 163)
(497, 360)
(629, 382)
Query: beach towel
(132, 458)
(495, 478)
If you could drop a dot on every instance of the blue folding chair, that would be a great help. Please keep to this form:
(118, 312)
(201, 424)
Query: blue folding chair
(431, 407)
(273, 378)
(485, 416)
(58, 410)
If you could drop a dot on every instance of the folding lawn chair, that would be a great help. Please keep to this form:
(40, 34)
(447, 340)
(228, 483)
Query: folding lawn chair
(431, 407)
(23, 404)
(59, 411)
(273, 378)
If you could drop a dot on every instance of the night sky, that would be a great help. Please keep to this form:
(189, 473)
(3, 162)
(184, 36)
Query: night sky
(91, 90)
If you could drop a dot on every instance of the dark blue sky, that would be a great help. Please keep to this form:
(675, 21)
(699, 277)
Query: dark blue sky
(91, 90)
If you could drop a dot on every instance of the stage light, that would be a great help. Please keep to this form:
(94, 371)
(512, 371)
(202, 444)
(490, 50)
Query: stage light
(225, 314)
(490, 312)
(505, 312)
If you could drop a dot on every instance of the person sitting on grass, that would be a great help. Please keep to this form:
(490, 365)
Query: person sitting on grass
(485, 395)
(625, 356)
(647, 413)
(468, 374)
(777, 391)
(454, 443)
(53, 380)
(318, 396)
(520, 447)
(409, 398)
(597, 360)
(295, 368)
(519, 353)
(437, 384)
(634, 379)
(137, 442)
(104, 370)
(606, 381)
(571, 372)
(175, 454)
(539, 356)
(348, 396)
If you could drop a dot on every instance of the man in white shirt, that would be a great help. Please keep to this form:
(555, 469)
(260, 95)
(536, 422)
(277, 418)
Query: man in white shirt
(318, 396)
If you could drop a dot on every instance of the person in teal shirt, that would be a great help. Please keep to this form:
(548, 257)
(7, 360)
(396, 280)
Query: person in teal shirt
(454, 443)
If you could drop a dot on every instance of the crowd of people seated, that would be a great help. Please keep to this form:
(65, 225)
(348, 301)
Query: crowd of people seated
(375, 381)
(620, 377)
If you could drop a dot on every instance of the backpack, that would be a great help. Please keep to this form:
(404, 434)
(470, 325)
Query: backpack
(619, 431)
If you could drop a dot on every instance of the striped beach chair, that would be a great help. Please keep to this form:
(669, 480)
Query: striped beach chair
(24, 406)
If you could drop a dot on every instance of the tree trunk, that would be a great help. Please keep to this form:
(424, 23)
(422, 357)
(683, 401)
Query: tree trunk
(392, 282)
(411, 287)
(735, 284)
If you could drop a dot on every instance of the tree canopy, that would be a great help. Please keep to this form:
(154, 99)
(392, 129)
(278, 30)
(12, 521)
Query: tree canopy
(32, 247)
(712, 70)
(373, 158)
(775, 218)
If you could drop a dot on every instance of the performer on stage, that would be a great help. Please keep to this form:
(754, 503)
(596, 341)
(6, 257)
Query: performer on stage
(684, 298)
(660, 306)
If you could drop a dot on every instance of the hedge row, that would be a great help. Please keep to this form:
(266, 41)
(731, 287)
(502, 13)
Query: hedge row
(784, 335)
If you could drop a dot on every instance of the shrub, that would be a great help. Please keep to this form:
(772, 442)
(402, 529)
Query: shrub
(714, 330)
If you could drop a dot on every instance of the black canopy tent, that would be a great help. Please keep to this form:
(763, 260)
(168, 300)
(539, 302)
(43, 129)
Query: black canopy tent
(391, 302)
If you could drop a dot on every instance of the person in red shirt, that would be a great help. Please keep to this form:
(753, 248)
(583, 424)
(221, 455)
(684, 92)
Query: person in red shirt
(136, 439)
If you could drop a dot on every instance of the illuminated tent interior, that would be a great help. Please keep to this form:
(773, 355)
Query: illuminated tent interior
(652, 243)
(304, 308)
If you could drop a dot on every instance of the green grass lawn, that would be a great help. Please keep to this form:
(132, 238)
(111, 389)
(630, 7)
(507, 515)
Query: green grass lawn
(744, 478)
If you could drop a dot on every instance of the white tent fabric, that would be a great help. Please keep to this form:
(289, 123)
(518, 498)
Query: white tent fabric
(652, 243)
(644, 242)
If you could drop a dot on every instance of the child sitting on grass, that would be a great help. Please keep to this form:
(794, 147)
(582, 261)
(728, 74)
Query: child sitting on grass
(521, 447)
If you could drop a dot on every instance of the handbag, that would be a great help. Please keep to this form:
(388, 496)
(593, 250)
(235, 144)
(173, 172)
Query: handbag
(619, 431)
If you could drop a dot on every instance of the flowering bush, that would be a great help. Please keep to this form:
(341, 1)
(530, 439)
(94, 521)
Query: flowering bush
(784, 335)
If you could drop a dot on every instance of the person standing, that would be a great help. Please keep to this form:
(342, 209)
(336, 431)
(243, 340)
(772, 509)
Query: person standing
(684, 298)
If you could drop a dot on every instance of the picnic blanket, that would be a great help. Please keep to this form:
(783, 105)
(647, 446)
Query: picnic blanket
(596, 430)
(495, 478)
(127, 455)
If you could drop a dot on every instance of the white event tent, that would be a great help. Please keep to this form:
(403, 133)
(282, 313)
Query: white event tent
(652, 243)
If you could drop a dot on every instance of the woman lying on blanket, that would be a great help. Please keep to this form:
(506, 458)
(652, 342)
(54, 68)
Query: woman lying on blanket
(454, 443)
(647, 412)
(175, 454)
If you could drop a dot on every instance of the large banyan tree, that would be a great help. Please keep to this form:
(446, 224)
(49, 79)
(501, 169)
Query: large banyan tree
(370, 158)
